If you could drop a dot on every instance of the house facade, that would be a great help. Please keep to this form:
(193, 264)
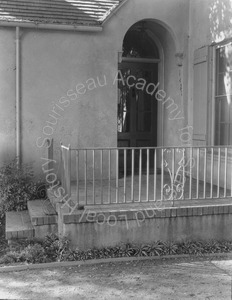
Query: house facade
(139, 94)
(68, 69)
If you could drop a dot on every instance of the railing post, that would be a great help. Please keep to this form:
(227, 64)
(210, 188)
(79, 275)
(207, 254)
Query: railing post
(68, 175)
(117, 184)
(66, 170)
(162, 174)
(155, 173)
(140, 174)
(62, 166)
(148, 175)
(50, 167)
(85, 168)
(184, 171)
(77, 177)
(225, 175)
(132, 174)
(125, 174)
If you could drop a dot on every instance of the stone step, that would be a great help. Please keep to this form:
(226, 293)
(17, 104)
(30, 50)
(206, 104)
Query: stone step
(43, 217)
(18, 225)
(41, 212)
(39, 220)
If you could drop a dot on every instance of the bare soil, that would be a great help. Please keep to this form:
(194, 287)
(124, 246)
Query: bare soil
(146, 280)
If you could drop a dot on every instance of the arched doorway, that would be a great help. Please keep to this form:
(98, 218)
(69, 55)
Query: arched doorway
(137, 84)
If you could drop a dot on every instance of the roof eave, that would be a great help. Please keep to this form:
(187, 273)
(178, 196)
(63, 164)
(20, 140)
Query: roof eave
(68, 27)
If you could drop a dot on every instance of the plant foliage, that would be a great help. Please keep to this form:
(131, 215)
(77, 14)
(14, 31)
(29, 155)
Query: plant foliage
(53, 249)
(17, 186)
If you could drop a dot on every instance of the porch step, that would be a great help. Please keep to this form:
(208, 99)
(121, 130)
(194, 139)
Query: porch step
(18, 225)
(41, 212)
(39, 220)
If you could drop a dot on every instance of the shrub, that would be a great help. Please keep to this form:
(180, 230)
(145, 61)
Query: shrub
(56, 249)
(10, 258)
(52, 249)
(33, 254)
(17, 186)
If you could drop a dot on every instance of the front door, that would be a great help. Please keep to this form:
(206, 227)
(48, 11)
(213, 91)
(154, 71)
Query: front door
(137, 108)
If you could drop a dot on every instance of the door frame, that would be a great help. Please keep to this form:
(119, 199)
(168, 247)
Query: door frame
(160, 61)
(134, 134)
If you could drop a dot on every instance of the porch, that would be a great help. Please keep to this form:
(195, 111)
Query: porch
(110, 196)
(172, 176)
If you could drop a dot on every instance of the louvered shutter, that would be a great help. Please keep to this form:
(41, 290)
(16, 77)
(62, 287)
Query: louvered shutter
(200, 96)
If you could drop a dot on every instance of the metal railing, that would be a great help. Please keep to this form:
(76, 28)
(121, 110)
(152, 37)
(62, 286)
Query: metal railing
(137, 175)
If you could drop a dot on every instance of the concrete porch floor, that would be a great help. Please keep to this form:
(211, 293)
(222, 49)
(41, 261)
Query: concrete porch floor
(103, 193)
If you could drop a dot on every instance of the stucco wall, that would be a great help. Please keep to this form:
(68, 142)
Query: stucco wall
(209, 23)
(55, 62)
(90, 229)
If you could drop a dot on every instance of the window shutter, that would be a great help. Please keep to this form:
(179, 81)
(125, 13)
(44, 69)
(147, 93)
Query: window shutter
(200, 96)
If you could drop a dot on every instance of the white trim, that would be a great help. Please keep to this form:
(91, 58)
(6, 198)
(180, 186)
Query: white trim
(213, 87)
(160, 117)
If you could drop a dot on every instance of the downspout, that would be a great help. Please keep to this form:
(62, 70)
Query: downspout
(18, 94)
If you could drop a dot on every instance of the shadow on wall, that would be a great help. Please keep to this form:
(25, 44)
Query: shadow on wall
(220, 18)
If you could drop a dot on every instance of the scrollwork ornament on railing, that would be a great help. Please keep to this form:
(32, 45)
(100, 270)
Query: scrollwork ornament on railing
(174, 189)
(41, 190)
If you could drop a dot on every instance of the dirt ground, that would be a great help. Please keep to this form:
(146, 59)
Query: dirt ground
(150, 279)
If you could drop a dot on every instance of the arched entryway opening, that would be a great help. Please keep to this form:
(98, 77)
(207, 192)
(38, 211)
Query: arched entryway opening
(138, 81)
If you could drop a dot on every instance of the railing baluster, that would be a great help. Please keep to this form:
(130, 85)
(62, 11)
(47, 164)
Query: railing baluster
(211, 173)
(198, 166)
(183, 179)
(109, 176)
(94, 176)
(173, 172)
(69, 159)
(125, 172)
(225, 177)
(65, 170)
(218, 173)
(205, 173)
(77, 177)
(162, 174)
(50, 166)
(140, 172)
(190, 173)
(62, 166)
(117, 187)
(101, 174)
(230, 176)
(148, 167)
(155, 173)
(133, 173)
(85, 162)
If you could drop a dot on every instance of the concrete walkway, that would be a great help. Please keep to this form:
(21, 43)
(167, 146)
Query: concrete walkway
(149, 279)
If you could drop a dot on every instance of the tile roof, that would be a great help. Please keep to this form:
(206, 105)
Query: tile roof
(71, 12)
